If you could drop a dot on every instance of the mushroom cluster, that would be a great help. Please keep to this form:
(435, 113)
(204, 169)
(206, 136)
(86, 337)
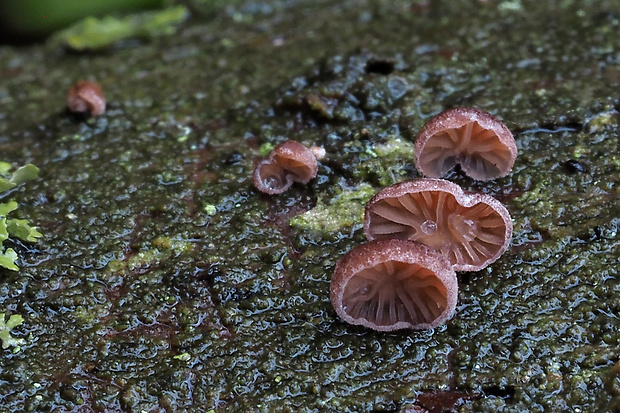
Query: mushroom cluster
(289, 162)
(420, 232)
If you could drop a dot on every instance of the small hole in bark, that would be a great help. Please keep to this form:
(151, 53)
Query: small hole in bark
(507, 392)
(574, 166)
(381, 67)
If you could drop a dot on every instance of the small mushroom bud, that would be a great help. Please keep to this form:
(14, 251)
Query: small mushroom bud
(393, 284)
(318, 152)
(86, 96)
(475, 139)
(289, 162)
(470, 230)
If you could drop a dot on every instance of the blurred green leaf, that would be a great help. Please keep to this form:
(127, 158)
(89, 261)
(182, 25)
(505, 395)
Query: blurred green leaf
(5, 167)
(93, 33)
(7, 207)
(5, 330)
(26, 17)
(4, 232)
(21, 229)
(5, 185)
(25, 173)
(8, 258)
(13, 227)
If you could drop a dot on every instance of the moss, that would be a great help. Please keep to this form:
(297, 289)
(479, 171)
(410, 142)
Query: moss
(385, 162)
(265, 149)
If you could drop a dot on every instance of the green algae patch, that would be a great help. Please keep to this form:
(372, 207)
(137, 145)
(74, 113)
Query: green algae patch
(210, 209)
(394, 149)
(164, 249)
(266, 148)
(384, 163)
(331, 217)
(98, 33)
(183, 357)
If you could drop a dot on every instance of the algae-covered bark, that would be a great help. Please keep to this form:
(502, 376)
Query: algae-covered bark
(165, 282)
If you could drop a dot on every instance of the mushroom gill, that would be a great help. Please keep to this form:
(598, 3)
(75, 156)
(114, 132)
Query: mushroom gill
(475, 139)
(470, 230)
(394, 284)
(289, 162)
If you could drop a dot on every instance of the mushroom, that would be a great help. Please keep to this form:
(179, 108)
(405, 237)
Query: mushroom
(475, 139)
(289, 162)
(470, 230)
(86, 96)
(393, 284)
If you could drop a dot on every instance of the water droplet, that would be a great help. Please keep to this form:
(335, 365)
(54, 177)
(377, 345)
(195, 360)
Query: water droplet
(428, 227)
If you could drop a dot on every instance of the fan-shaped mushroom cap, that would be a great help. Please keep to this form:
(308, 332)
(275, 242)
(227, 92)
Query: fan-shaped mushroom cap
(393, 284)
(86, 96)
(470, 230)
(475, 139)
(289, 162)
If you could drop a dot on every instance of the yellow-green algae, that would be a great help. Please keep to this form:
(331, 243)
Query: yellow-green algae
(330, 217)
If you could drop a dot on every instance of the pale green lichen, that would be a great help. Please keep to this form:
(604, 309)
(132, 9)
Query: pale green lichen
(385, 163)
(182, 357)
(395, 148)
(210, 209)
(164, 248)
(333, 216)
(5, 330)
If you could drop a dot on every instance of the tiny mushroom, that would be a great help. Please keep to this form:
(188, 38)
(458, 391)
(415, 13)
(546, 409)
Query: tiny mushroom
(289, 162)
(470, 230)
(393, 284)
(86, 96)
(475, 139)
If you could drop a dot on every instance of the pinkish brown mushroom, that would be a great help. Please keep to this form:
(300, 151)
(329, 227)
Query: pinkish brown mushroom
(475, 139)
(289, 162)
(86, 96)
(470, 230)
(393, 284)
